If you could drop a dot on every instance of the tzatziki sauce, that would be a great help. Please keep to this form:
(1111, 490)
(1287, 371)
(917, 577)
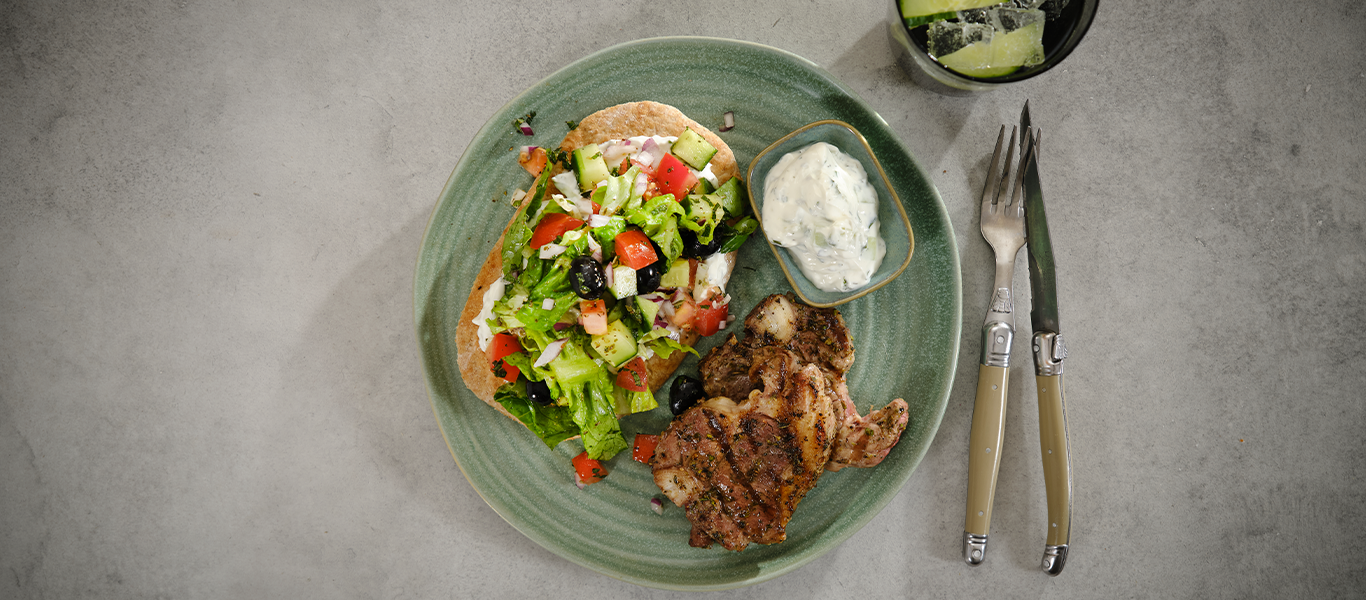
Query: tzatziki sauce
(819, 205)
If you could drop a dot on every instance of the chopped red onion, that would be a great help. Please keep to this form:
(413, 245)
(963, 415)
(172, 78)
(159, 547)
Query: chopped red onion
(526, 129)
(527, 150)
(657, 506)
(551, 251)
(563, 326)
(651, 151)
(594, 246)
(642, 183)
(607, 275)
(599, 221)
(551, 351)
(729, 121)
(584, 206)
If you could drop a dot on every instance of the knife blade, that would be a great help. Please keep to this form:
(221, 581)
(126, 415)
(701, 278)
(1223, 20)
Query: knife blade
(1049, 354)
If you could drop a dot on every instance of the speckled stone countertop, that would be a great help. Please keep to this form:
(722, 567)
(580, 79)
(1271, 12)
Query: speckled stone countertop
(210, 215)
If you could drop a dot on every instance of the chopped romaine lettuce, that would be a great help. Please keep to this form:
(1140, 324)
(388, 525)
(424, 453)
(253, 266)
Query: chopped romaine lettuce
(703, 214)
(733, 236)
(553, 424)
(658, 218)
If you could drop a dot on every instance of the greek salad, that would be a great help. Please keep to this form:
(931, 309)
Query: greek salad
(606, 265)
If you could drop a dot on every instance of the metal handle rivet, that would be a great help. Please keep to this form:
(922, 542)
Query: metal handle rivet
(979, 513)
(977, 554)
(993, 386)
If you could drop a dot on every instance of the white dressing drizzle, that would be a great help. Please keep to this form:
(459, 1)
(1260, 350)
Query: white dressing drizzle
(491, 295)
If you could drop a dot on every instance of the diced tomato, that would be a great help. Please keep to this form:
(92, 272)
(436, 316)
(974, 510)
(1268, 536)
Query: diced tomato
(593, 316)
(504, 344)
(673, 177)
(709, 317)
(685, 313)
(644, 448)
(552, 226)
(597, 208)
(587, 470)
(634, 248)
(633, 376)
(532, 161)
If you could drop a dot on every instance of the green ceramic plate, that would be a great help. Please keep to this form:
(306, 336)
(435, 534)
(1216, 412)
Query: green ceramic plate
(907, 332)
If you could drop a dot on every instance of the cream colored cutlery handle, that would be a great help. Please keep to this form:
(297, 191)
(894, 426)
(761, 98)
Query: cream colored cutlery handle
(1057, 471)
(984, 458)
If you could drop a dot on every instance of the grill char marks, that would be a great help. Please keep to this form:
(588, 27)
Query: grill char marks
(740, 472)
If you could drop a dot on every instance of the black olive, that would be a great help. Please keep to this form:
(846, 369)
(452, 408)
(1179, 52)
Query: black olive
(684, 393)
(648, 278)
(539, 392)
(585, 274)
(694, 249)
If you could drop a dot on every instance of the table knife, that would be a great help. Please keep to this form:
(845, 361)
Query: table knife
(1049, 353)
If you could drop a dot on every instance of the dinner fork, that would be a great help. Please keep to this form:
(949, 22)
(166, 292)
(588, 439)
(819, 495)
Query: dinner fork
(1003, 227)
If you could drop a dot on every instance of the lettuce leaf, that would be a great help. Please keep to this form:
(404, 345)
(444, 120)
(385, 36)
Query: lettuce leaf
(533, 316)
(658, 218)
(519, 233)
(553, 424)
(703, 214)
(734, 236)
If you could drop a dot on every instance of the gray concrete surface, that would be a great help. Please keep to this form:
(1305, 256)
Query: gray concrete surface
(210, 212)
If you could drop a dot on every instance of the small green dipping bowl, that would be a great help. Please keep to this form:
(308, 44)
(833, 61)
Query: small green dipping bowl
(895, 228)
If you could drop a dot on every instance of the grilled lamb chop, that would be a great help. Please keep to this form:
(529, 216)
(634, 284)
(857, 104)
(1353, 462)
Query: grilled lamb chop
(817, 335)
(739, 470)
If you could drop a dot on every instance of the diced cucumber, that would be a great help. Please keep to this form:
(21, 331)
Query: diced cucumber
(678, 274)
(692, 149)
(623, 281)
(590, 167)
(703, 186)
(945, 9)
(617, 345)
(1003, 55)
(731, 197)
(648, 309)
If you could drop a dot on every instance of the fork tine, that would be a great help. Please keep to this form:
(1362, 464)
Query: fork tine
(993, 175)
(1006, 170)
